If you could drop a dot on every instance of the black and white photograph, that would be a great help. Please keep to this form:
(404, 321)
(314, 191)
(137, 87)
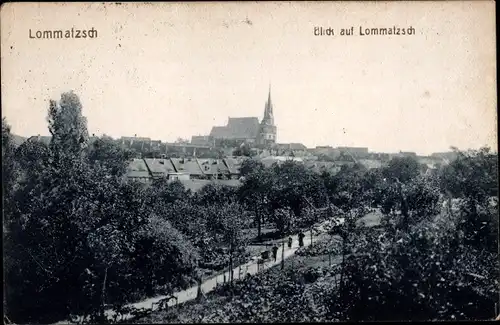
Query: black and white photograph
(249, 162)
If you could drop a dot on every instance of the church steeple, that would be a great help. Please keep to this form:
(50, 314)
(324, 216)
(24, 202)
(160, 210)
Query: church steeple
(268, 112)
(269, 103)
(267, 132)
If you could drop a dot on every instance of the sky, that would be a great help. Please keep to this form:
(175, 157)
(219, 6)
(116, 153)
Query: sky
(175, 70)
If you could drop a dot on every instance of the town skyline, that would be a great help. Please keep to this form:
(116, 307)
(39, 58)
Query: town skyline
(142, 78)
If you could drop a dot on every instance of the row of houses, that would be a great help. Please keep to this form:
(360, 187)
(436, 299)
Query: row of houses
(228, 169)
(147, 169)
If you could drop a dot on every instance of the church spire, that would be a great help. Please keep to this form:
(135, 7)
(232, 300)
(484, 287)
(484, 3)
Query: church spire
(269, 106)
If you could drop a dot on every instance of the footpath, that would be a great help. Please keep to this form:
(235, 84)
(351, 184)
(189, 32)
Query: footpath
(251, 267)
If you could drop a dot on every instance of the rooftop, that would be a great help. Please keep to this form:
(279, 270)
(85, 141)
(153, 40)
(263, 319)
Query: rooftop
(237, 128)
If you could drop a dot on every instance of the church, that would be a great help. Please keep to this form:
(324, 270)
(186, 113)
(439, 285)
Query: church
(245, 129)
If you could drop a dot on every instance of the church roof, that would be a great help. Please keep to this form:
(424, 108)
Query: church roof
(237, 128)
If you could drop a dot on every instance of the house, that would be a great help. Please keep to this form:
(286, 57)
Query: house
(233, 165)
(189, 166)
(214, 168)
(178, 177)
(137, 170)
(159, 167)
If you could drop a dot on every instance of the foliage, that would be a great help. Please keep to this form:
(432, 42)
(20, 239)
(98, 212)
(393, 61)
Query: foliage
(295, 187)
(323, 247)
(473, 178)
(251, 166)
(244, 150)
(425, 272)
(108, 153)
(77, 232)
(271, 296)
(214, 193)
(402, 169)
(165, 257)
(345, 189)
(67, 126)
(10, 170)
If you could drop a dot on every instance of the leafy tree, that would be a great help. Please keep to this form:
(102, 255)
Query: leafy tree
(165, 257)
(255, 190)
(226, 223)
(33, 157)
(243, 150)
(411, 202)
(347, 189)
(77, 231)
(10, 170)
(423, 273)
(292, 184)
(249, 166)
(473, 178)
(402, 169)
(67, 126)
(214, 193)
(108, 153)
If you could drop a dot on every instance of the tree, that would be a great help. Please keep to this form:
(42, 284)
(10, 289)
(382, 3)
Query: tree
(108, 153)
(214, 193)
(414, 201)
(226, 223)
(402, 169)
(255, 190)
(424, 273)
(473, 178)
(164, 256)
(249, 166)
(182, 141)
(67, 126)
(10, 170)
(243, 150)
(347, 189)
(292, 184)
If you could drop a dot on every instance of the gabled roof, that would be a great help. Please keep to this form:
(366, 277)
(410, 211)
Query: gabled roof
(219, 132)
(137, 168)
(237, 128)
(186, 165)
(233, 165)
(212, 166)
(159, 166)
